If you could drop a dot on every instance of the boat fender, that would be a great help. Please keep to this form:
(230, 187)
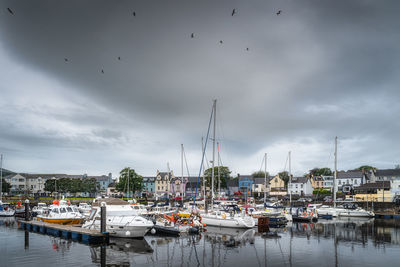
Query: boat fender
(153, 231)
(127, 233)
(224, 216)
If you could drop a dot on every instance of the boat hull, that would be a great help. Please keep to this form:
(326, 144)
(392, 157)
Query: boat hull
(228, 222)
(61, 221)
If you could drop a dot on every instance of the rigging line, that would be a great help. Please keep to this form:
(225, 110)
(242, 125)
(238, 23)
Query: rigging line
(258, 260)
(187, 167)
(287, 158)
(202, 158)
(262, 163)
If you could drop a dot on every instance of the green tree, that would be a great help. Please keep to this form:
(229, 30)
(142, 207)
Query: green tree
(366, 168)
(225, 175)
(285, 177)
(259, 174)
(321, 171)
(5, 186)
(90, 185)
(135, 181)
(49, 185)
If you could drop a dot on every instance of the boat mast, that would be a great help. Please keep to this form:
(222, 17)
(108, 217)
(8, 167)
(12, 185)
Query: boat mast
(265, 177)
(335, 175)
(1, 177)
(290, 179)
(213, 159)
(182, 173)
(204, 180)
(168, 181)
(127, 191)
(219, 176)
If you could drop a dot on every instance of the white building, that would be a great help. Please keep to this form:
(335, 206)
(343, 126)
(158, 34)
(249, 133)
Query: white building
(300, 186)
(348, 180)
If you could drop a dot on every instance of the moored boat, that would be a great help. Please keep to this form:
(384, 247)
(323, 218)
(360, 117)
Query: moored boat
(61, 213)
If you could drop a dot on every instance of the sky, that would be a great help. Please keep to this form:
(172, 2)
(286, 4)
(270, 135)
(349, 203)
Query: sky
(89, 87)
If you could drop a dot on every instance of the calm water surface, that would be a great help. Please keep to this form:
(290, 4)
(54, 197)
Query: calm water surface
(354, 242)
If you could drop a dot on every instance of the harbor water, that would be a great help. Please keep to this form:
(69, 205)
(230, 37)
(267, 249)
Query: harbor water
(341, 242)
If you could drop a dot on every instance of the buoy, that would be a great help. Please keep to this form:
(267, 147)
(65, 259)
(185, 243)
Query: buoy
(127, 233)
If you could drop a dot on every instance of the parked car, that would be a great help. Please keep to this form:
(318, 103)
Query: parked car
(328, 199)
(302, 199)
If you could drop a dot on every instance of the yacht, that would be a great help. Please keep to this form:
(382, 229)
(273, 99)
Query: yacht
(84, 209)
(122, 219)
(40, 209)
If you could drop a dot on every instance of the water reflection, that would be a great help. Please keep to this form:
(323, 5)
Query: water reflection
(342, 242)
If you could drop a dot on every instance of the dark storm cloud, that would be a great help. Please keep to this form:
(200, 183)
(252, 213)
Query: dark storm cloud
(320, 69)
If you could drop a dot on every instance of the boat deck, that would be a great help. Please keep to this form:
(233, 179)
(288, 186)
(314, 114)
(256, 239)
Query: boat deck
(73, 232)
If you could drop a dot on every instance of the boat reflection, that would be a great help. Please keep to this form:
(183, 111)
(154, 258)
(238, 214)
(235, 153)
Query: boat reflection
(230, 237)
(120, 252)
(8, 221)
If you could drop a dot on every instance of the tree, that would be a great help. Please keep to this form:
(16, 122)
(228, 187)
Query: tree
(135, 181)
(90, 185)
(366, 168)
(320, 171)
(259, 174)
(225, 175)
(5, 186)
(285, 177)
(49, 185)
(397, 166)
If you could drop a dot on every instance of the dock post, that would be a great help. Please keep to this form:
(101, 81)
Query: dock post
(103, 217)
(26, 209)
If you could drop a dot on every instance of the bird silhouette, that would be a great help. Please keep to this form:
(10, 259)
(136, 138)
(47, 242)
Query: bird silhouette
(9, 10)
(221, 42)
(234, 11)
(134, 13)
(247, 49)
(192, 36)
(66, 59)
(102, 71)
(279, 12)
(119, 58)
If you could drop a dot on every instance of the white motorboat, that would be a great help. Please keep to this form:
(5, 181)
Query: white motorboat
(6, 210)
(84, 209)
(225, 219)
(61, 213)
(40, 209)
(121, 221)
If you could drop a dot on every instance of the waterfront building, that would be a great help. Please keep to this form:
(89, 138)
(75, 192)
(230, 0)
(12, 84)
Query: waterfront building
(246, 185)
(378, 192)
(277, 186)
(149, 186)
(348, 180)
(300, 186)
(317, 182)
(384, 175)
(259, 186)
(162, 184)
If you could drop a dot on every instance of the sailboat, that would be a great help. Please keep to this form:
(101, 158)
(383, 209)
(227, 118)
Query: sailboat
(222, 218)
(341, 211)
(5, 209)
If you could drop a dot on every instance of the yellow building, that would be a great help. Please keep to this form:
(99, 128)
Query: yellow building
(317, 182)
(276, 183)
(377, 192)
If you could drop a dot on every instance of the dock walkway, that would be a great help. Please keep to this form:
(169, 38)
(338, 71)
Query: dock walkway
(75, 233)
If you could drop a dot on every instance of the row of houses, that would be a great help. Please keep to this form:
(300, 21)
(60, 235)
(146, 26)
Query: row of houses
(35, 183)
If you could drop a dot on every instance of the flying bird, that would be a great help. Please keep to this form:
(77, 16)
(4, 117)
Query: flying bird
(279, 12)
(134, 13)
(102, 71)
(192, 36)
(247, 49)
(220, 42)
(233, 11)
(119, 58)
(9, 10)
(66, 59)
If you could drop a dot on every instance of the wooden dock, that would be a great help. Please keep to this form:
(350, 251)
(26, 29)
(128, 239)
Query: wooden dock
(66, 231)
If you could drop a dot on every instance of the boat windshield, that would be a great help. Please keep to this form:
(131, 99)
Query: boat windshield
(69, 209)
(92, 214)
(62, 210)
(55, 210)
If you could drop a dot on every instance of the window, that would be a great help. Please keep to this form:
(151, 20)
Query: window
(340, 182)
(301, 185)
(158, 188)
(355, 181)
(69, 209)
